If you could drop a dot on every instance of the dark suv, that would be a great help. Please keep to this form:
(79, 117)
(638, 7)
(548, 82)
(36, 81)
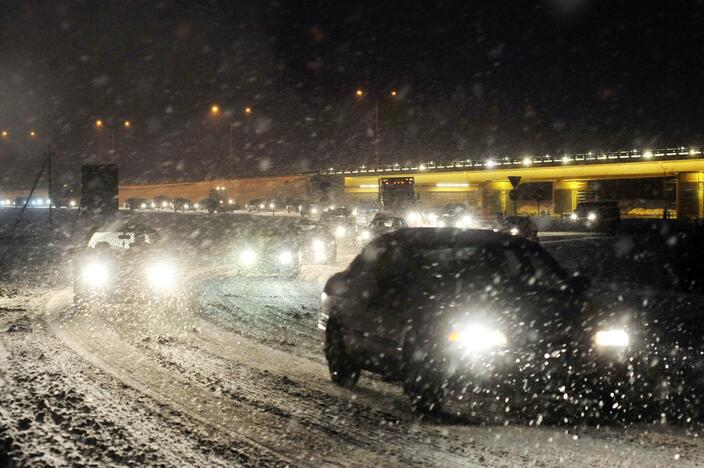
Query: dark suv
(469, 313)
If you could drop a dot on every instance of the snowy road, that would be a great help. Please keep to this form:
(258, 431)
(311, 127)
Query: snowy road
(238, 378)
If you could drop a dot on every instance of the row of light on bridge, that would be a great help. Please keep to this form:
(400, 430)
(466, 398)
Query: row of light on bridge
(529, 161)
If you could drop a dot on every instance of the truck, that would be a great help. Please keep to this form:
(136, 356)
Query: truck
(99, 189)
(397, 195)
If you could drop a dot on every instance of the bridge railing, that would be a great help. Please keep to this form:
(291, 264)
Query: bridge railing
(528, 161)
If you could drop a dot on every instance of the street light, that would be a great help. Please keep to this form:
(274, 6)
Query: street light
(127, 124)
(98, 123)
(5, 134)
(360, 94)
(215, 109)
(32, 133)
(247, 110)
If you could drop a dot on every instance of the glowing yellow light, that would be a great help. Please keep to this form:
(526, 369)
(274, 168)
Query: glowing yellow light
(359, 93)
(247, 110)
(98, 123)
(32, 133)
(215, 109)
(127, 124)
(454, 336)
(393, 93)
(5, 133)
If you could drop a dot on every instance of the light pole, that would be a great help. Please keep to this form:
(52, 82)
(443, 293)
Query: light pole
(215, 112)
(360, 95)
(101, 126)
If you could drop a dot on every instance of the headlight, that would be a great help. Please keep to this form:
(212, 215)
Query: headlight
(365, 235)
(319, 249)
(196, 205)
(413, 217)
(477, 338)
(185, 206)
(143, 205)
(261, 206)
(248, 257)
(161, 275)
(164, 204)
(95, 274)
(514, 231)
(286, 257)
(72, 203)
(591, 216)
(614, 339)
(314, 211)
(340, 231)
(574, 217)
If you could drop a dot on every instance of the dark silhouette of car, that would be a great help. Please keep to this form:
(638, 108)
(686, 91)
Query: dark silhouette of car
(267, 254)
(137, 204)
(518, 226)
(183, 204)
(318, 244)
(475, 313)
(125, 263)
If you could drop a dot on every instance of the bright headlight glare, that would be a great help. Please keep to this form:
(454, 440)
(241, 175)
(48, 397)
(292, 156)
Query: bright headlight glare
(365, 235)
(248, 257)
(161, 275)
(477, 338)
(591, 216)
(95, 274)
(514, 231)
(285, 257)
(574, 217)
(614, 338)
(319, 250)
(340, 231)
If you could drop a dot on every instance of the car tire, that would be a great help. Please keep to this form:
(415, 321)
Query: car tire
(424, 390)
(343, 371)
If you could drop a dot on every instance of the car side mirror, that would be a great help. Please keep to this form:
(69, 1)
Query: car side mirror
(580, 283)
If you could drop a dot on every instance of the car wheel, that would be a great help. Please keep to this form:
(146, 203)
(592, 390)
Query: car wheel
(343, 372)
(424, 390)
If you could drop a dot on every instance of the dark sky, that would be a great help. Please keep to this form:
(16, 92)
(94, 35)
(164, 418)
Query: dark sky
(474, 80)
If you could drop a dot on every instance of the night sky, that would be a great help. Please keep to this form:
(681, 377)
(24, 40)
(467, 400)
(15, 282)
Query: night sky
(473, 80)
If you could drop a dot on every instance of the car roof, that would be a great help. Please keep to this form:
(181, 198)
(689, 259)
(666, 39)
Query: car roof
(427, 236)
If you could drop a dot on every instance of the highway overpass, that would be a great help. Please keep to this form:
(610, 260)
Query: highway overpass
(485, 183)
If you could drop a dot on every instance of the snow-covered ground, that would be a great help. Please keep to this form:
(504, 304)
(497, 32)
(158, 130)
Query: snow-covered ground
(237, 377)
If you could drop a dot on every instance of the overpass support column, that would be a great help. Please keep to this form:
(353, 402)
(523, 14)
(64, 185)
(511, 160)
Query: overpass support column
(690, 195)
(495, 199)
(565, 194)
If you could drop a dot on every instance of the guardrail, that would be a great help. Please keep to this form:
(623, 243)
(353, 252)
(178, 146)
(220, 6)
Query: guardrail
(528, 161)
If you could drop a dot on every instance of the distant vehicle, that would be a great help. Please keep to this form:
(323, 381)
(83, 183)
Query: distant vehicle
(65, 197)
(458, 215)
(183, 204)
(162, 203)
(124, 263)
(256, 205)
(381, 225)
(137, 204)
(397, 195)
(426, 319)
(340, 222)
(19, 202)
(310, 210)
(597, 215)
(518, 226)
(318, 244)
(268, 255)
(99, 189)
